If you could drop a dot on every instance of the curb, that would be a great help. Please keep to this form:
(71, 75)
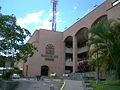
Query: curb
(63, 85)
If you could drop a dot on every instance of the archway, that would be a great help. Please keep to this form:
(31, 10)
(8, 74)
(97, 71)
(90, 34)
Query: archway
(68, 54)
(83, 49)
(103, 17)
(44, 70)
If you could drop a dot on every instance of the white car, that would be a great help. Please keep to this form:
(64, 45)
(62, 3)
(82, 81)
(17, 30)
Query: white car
(0, 75)
(65, 75)
(15, 76)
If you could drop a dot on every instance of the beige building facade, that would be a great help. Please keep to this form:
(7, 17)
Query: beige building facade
(61, 52)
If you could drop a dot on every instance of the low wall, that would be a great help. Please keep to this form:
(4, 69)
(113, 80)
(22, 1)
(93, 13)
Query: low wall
(8, 85)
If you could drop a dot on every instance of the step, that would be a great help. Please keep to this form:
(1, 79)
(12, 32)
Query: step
(89, 88)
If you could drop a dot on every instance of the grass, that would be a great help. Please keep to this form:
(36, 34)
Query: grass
(106, 85)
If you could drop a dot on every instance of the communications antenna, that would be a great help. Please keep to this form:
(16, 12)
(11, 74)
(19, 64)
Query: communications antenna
(54, 10)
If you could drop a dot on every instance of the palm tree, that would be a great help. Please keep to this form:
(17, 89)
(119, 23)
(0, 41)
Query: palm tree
(105, 40)
(98, 42)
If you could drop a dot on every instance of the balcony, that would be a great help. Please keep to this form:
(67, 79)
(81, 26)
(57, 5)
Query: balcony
(68, 63)
(80, 50)
(83, 49)
(69, 50)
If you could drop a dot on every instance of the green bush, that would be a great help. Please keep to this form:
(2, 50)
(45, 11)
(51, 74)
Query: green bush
(18, 71)
(106, 85)
(7, 74)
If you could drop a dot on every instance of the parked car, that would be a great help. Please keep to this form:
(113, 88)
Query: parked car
(15, 76)
(66, 75)
(0, 75)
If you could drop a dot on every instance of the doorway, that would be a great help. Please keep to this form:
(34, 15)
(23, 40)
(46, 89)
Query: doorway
(44, 70)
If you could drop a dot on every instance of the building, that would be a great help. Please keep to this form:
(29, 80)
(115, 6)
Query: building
(62, 51)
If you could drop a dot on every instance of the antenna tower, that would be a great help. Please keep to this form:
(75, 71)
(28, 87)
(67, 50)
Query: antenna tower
(54, 3)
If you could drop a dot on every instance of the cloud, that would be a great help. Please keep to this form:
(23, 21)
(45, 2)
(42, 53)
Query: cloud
(46, 24)
(57, 14)
(31, 18)
(75, 7)
(39, 20)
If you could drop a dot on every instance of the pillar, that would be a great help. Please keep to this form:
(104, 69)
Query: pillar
(74, 53)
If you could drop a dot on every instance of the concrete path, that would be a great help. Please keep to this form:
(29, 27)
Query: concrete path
(35, 85)
(73, 85)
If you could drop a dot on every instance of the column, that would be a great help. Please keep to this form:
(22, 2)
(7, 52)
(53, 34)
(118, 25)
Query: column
(74, 53)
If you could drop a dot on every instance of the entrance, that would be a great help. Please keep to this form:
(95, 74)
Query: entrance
(44, 70)
(68, 69)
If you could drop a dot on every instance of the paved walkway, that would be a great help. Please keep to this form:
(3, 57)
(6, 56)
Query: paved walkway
(35, 85)
(73, 85)
(45, 85)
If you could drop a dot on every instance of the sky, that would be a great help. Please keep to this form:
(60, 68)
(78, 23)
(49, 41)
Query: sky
(37, 14)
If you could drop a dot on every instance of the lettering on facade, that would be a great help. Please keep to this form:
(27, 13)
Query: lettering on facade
(49, 53)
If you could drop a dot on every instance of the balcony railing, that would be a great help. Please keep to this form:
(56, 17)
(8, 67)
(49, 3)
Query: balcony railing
(83, 49)
(80, 50)
(69, 50)
(68, 63)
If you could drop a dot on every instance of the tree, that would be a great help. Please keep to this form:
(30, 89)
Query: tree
(106, 41)
(2, 61)
(98, 42)
(25, 51)
(12, 38)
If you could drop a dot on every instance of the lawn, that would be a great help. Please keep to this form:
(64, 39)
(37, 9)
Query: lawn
(106, 85)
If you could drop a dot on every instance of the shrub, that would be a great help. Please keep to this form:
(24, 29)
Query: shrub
(7, 74)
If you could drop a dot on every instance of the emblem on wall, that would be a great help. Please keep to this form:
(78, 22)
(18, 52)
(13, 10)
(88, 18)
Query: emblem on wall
(49, 49)
(49, 53)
